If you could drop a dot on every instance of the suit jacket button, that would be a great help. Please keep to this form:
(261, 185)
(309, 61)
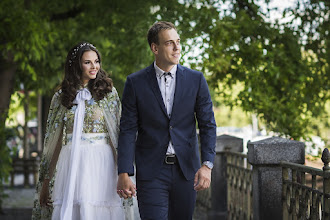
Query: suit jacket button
(171, 127)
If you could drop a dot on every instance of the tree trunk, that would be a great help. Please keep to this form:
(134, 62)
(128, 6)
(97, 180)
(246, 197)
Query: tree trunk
(26, 144)
(6, 88)
(39, 140)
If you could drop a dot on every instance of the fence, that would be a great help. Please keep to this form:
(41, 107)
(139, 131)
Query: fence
(26, 167)
(306, 191)
(239, 185)
(270, 182)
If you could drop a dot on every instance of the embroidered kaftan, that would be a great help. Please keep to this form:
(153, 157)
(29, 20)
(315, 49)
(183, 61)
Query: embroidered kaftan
(95, 188)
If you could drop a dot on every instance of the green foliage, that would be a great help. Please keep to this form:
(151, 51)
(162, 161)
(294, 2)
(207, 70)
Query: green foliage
(36, 36)
(226, 116)
(279, 71)
(321, 125)
(284, 83)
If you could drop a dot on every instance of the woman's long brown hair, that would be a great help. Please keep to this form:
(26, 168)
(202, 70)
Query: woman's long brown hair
(99, 87)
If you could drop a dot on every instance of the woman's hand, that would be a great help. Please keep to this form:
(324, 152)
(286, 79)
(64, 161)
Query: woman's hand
(44, 195)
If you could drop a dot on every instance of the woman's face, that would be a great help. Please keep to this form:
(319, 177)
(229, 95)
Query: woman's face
(90, 65)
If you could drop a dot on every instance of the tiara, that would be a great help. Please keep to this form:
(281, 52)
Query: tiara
(75, 51)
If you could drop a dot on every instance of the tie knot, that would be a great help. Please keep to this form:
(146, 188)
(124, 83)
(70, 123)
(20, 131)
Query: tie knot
(167, 74)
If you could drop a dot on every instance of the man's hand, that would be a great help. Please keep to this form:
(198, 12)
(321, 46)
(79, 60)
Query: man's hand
(44, 198)
(202, 178)
(125, 186)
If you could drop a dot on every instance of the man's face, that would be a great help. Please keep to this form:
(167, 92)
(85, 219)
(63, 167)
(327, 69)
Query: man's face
(168, 51)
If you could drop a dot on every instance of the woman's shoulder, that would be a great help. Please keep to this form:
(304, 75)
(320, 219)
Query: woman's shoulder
(111, 98)
(58, 93)
(56, 99)
(112, 93)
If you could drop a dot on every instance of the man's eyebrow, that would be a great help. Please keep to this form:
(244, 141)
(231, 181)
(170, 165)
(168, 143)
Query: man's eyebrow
(172, 40)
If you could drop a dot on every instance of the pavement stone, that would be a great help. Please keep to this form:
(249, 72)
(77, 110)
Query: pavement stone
(18, 205)
(16, 214)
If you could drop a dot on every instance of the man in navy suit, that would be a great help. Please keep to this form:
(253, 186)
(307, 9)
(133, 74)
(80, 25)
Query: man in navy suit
(160, 106)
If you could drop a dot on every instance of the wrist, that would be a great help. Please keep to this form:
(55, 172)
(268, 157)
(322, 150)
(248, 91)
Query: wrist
(208, 164)
(123, 175)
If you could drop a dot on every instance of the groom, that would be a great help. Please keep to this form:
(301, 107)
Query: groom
(161, 104)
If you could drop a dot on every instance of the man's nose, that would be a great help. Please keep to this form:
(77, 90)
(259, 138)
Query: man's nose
(177, 46)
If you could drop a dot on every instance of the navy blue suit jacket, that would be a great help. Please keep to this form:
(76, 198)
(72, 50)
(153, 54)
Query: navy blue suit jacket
(146, 129)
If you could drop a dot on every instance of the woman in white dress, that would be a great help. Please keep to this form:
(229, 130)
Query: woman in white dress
(78, 173)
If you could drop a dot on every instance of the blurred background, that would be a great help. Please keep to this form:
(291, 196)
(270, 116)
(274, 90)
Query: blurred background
(266, 62)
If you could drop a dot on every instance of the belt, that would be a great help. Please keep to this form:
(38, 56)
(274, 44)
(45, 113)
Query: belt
(170, 159)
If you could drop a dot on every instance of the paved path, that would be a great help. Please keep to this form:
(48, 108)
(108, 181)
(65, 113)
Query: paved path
(16, 214)
(18, 205)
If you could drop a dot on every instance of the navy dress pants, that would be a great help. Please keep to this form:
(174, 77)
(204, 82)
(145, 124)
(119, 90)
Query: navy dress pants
(169, 196)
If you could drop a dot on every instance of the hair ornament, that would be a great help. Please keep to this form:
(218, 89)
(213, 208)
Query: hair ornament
(75, 51)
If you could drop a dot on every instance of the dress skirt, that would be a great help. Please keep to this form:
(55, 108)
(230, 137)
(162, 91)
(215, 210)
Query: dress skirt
(95, 196)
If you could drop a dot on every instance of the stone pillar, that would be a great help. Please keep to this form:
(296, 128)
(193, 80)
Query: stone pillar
(219, 180)
(265, 156)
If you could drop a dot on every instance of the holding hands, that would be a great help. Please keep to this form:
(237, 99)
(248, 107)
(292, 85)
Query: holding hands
(125, 187)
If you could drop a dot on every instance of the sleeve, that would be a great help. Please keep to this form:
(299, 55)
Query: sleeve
(54, 129)
(206, 121)
(52, 142)
(112, 111)
(128, 130)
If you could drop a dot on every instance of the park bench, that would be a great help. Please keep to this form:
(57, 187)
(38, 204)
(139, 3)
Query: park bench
(25, 167)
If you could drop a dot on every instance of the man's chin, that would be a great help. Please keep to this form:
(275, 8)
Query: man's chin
(175, 62)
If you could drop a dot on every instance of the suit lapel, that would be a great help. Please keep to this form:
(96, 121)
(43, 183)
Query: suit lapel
(155, 87)
(179, 86)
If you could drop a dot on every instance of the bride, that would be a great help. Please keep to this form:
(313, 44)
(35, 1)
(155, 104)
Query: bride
(78, 171)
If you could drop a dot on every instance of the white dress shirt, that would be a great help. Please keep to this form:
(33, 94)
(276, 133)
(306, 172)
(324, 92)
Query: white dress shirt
(166, 85)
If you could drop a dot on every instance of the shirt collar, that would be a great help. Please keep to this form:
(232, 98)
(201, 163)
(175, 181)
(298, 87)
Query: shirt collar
(160, 72)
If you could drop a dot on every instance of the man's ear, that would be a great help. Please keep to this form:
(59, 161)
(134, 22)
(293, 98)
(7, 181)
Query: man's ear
(154, 48)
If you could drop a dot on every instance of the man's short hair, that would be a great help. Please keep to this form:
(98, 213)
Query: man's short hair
(156, 28)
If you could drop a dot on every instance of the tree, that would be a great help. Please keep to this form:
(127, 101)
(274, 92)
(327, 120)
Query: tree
(282, 81)
(36, 35)
(281, 68)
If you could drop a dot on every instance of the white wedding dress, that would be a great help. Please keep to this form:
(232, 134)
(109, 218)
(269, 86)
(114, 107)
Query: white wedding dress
(85, 183)
(95, 194)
